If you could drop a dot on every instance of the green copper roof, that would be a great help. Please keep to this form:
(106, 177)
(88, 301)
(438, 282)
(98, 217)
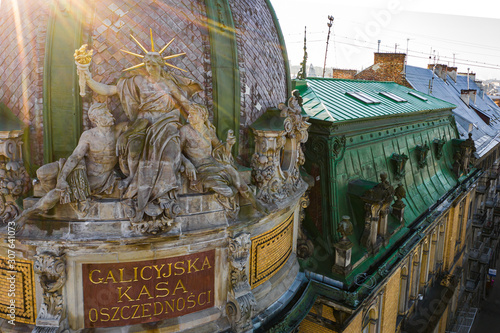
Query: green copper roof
(327, 99)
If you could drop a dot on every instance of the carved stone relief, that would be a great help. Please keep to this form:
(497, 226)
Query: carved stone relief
(278, 154)
(377, 201)
(464, 157)
(438, 147)
(51, 271)
(399, 163)
(241, 302)
(305, 246)
(422, 151)
(14, 180)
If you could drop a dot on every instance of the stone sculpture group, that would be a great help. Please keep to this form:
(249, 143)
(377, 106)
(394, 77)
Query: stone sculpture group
(153, 149)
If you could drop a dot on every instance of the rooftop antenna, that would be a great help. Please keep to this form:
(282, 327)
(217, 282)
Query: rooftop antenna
(378, 48)
(453, 59)
(406, 56)
(301, 75)
(330, 23)
(468, 78)
(395, 48)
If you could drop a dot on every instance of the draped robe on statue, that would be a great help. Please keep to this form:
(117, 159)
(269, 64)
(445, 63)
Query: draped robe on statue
(160, 103)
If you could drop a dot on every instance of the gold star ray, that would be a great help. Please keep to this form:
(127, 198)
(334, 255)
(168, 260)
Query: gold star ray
(153, 50)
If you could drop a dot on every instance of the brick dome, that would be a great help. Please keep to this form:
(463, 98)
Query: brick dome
(234, 49)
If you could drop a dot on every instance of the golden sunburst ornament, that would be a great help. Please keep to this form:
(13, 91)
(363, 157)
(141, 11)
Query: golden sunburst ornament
(153, 50)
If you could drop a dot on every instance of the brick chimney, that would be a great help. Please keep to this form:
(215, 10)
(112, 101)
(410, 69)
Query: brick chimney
(338, 73)
(440, 70)
(390, 58)
(452, 72)
(468, 95)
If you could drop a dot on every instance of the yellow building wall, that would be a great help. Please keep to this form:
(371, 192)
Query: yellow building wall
(355, 324)
(391, 302)
(307, 326)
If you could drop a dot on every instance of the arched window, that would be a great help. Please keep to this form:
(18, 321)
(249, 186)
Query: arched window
(403, 291)
(414, 277)
(424, 268)
(370, 323)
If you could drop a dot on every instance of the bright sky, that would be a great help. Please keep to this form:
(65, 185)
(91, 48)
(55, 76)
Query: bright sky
(470, 30)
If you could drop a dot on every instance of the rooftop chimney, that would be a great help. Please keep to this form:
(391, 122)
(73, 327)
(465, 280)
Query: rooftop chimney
(468, 95)
(452, 72)
(440, 70)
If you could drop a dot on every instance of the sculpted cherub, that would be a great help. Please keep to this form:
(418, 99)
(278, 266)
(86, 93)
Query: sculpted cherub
(208, 163)
(88, 171)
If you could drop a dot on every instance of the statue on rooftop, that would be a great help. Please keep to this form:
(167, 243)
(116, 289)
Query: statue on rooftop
(88, 171)
(149, 150)
(209, 164)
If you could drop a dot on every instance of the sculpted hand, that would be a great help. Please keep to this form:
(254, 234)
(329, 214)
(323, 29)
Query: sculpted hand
(190, 171)
(121, 145)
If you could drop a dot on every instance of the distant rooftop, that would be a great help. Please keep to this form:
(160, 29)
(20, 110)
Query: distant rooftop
(341, 99)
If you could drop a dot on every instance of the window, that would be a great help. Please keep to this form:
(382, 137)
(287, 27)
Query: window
(361, 96)
(417, 95)
(392, 96)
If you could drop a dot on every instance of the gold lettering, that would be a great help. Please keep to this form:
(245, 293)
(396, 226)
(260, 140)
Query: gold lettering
(199, 302)
(158, 313)
(209, 296)
(207, 263)
(192, 265)
(96, 315)
(190, 301)
(110, 276)
(171, 306)
(90, 277)
(120, 294)
(179, 286)
(158, 270)
(121, 276)
(158, 289)
(179, 268)
(104, 314)
(169, 271)
(143, 308)
(135, 274)
(116, 312)
(137, 307)
(144, 291)
(121, 312)
(183, 303)
(142, 273)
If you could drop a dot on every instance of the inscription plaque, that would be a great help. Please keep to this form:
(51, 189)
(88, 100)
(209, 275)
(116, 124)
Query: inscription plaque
(117, 294)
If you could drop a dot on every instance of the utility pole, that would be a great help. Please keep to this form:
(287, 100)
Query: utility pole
(330, 23)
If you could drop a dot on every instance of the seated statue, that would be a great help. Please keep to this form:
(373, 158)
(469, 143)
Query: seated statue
(209, 165)
(88, 171)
